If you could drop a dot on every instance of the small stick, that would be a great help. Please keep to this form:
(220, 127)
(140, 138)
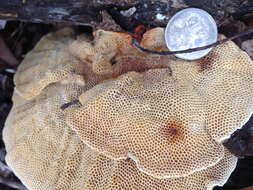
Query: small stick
(64, 106)
(137, 45)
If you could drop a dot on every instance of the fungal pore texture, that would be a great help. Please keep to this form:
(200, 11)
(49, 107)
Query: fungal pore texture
(100, 114)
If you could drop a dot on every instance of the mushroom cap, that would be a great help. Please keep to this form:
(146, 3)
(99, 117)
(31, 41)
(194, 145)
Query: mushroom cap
(163, 130)
(223, 78)
(141, 121)
(64, 162)
(126, 171)
(49, 62)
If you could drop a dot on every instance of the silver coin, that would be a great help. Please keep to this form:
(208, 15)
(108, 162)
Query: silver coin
(191, 28)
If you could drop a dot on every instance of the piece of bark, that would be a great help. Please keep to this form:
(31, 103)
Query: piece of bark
(88, 12)
(247, 188)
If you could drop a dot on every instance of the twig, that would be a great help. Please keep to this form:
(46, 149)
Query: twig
(64, 106)
(137, 45)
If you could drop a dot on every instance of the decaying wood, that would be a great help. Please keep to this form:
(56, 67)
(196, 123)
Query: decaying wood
(88, 12)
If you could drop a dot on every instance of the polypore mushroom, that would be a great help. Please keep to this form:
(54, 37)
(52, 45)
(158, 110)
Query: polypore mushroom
(103, 115)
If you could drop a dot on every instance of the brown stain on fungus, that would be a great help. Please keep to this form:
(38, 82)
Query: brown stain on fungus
(206, 63)
(138, 32)
(173, 131)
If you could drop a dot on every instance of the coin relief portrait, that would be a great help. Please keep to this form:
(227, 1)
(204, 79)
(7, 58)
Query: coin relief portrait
(191, 28)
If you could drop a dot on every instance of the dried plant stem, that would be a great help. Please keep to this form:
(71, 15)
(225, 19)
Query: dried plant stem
(137, 45)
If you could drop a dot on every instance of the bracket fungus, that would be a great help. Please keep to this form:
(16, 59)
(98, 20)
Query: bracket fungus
(138, 121)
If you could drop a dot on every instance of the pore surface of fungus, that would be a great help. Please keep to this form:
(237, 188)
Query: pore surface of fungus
(102, 115)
